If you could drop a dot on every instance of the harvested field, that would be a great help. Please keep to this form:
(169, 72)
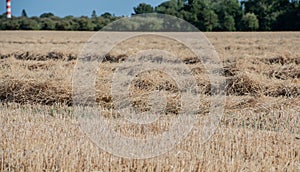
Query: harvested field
(260, 129)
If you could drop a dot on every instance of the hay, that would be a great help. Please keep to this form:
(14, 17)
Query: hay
(42, 77)
(261, 119)
(52, 55)
(256, 85)
(239, 83)
(32, 91)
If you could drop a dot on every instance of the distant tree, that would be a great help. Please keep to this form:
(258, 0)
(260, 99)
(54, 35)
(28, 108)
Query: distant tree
(206, 15)
(85, 24)
(201, 14)
(228, 11)
(69, 17)
(71, 22)
(210, 20)
(62, 25)
(103, 20)
(46, 15)
(106, 15)
(24, 14)
(55, 18)
(290, 18)
(143, 8)
(171, 7)
(250, 22)
(266, 11)
(3, 15)
(229, 23)
(94, 14)
(47, 24)
(29, 24)
(12, 24)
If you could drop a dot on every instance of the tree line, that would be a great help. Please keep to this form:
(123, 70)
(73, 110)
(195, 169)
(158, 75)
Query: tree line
(206, 15)
(48, 21)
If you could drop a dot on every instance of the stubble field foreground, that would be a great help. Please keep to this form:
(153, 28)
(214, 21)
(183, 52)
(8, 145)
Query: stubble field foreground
(260, 129)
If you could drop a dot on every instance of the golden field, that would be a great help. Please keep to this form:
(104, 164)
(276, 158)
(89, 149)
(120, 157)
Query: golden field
(260, 129)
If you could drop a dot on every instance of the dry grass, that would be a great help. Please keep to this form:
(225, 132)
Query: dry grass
(35, 138)
(259, 131)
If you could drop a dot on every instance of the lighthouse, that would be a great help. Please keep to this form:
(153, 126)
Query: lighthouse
(8, 8)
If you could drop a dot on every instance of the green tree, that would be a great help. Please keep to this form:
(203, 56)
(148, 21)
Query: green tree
(62, 25)
(94, 14)
(29, 24)
(3, 15)
(210, 20)
(143, 8)
(250, 22)
(47, 24)
(266, 11)
(46, 15)
(85, 24)
(106, 15)
(12, 24)
(289, 19)
(24, 14)
(206, 15)
(172, 7)
(228, 11)
(229, 23)
(201, 14)
(72, 22)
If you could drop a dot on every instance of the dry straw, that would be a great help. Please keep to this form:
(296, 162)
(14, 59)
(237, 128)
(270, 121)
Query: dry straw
(259, 132)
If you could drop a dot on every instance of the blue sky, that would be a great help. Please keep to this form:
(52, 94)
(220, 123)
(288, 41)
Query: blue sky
(74, 7)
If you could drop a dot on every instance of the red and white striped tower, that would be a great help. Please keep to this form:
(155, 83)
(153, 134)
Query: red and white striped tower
(8, 8)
